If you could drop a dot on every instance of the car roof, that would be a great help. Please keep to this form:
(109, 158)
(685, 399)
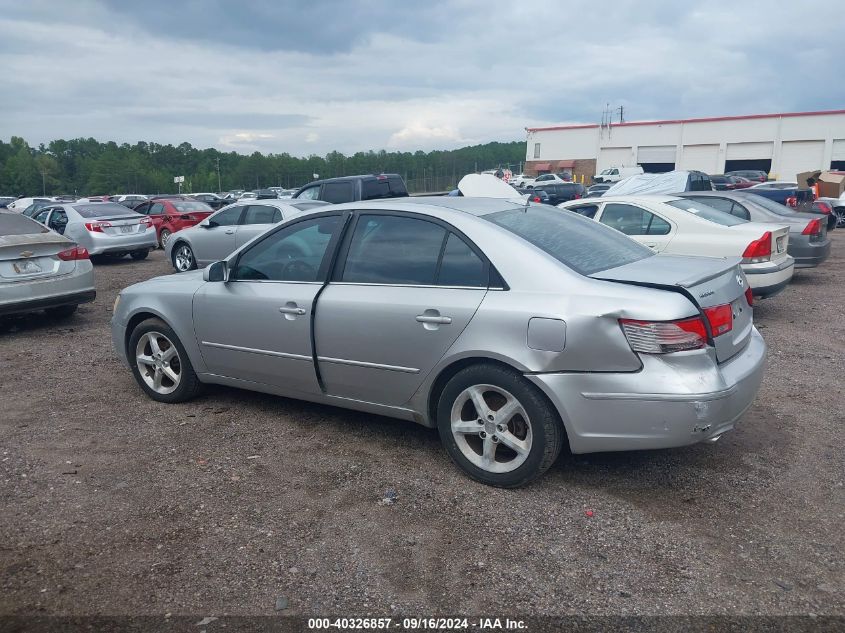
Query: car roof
(436, 205)
(654, 197)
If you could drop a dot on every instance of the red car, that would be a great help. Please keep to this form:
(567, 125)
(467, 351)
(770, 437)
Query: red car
(173, 214)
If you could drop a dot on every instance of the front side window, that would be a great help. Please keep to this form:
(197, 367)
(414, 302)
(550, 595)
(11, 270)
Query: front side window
(388, 249)
(582, 245)
(262, 214)
(227, 217)
(294, 253)
(312, 193)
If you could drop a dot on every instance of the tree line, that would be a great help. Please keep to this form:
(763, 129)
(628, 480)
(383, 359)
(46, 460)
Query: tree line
(85, 166)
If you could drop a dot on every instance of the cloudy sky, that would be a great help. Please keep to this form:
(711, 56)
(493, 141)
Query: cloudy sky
(311, 77)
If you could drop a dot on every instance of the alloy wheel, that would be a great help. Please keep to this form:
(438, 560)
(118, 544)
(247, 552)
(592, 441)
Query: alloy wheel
(183, 258)
(491, 428)
(165, 235)
(158, 362)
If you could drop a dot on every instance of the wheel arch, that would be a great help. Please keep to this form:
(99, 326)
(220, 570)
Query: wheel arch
(450, 370)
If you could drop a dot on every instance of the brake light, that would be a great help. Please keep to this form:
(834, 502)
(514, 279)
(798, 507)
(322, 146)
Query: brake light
(720, 318)
(823, 206)
(664, 337)
(535, 199)
(577, 196)
(814, 227)
(97, 227)
(759, 250)
(749, 296)
(72, 254)
(792, 201)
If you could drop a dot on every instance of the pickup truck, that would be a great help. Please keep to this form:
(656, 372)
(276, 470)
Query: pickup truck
(354, 188)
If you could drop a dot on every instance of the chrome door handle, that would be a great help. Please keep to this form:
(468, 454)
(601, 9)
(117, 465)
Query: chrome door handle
(230, 232)
(439, 320)
(292, 310)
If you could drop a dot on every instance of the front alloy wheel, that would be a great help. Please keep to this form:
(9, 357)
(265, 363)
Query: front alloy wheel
(183, 258)
(158, 362)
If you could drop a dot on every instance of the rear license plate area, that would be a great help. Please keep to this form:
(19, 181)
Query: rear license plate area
(126, 228)
(26, 267)
(780, 244)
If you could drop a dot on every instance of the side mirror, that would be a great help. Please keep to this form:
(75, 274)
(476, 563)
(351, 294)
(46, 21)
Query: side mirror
(206, 224)
(218, 271)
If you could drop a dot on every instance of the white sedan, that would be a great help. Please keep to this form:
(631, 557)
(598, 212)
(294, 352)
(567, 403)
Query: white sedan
(677, 226)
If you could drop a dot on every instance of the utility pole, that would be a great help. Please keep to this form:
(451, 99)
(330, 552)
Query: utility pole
(219, 186)
(43, 183)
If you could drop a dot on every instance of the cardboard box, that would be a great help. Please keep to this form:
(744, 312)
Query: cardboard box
(806, 176)
(831, 184)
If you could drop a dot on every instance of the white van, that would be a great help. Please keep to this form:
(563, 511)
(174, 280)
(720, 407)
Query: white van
(615, 174)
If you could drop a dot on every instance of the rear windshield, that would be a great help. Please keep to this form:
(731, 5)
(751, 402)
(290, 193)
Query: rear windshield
(17, 224)
(583, 245)
(383, 188)
(771, 205)
(190, 205)
(706, 213)
(102, 210)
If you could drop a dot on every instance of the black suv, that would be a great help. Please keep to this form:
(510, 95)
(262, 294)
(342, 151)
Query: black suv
(562, 191)
(354, 188)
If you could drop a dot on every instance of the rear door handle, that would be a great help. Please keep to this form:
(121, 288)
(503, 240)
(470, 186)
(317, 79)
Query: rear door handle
(439, 320)
(230, 232)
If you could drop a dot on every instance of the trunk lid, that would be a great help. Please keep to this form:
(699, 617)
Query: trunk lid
(28, 257)
(706, 281)
(780, 236)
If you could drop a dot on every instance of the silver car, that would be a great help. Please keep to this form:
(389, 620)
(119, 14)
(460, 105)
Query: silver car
(41, 270)
(104, 228)
(512, 328)
(808, 242)
(217, 236)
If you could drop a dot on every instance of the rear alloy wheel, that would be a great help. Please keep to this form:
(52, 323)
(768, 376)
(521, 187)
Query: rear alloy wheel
(163, 237)
(137, 255)
(160, 363)
(840, 217)
(498, 427)
(183, 258)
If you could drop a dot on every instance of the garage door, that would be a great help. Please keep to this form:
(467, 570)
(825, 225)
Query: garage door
(838, 150)
(798, 156)
(655, 154)
(700, 157)
(748, 151)
(614, 157)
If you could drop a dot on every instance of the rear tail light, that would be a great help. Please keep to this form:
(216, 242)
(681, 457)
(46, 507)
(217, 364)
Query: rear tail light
(535, 199)
(72, 254)
(792, 201)
(97, 227)
(720, 318)
(822, 206)
(146, 222)
(749, 296)
(664, 337)
(759, 250)
(814, 227)
(577, 196)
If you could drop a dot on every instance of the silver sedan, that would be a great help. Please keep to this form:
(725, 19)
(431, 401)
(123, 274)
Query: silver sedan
(512, 328)
(228, 229)
(103, 228)
(41, 270)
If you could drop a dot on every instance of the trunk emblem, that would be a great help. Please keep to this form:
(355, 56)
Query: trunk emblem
(27, 254)
(740, 281)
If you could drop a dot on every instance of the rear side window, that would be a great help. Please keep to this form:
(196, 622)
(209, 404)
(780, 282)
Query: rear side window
(262, 214)
(227, 217)
(583, 245)
(460, 265)
(394, 250)
(587, 210)
(372, 189)
(337, 192)
(632, 220)
(17, 224)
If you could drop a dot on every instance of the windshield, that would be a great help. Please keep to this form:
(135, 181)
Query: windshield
(582, 244)
(771, 205)
(706, 213)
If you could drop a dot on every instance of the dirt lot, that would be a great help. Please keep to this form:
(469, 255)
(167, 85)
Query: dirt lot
(114, 504)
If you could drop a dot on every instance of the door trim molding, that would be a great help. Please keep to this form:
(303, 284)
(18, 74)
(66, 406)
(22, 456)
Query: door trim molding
(252, 350)
(360, 363)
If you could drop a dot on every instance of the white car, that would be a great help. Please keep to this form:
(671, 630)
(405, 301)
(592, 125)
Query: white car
(521, 180)
(547, 179)
(615, 174)
(677, 226)
(22, 203)
(130, 197)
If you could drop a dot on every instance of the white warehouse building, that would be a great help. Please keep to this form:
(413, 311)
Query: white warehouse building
(781, 144)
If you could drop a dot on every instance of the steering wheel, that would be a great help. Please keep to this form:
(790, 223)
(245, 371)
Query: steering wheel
(297, 270)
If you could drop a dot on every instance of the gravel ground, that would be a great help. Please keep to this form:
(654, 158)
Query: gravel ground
(115, 504)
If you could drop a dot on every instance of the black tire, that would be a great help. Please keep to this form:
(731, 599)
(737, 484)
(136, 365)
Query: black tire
(840, 217)
(189, 385)
(61, 312)
(137, 255)
(175, 252)
(546, 427)
(165, 235)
